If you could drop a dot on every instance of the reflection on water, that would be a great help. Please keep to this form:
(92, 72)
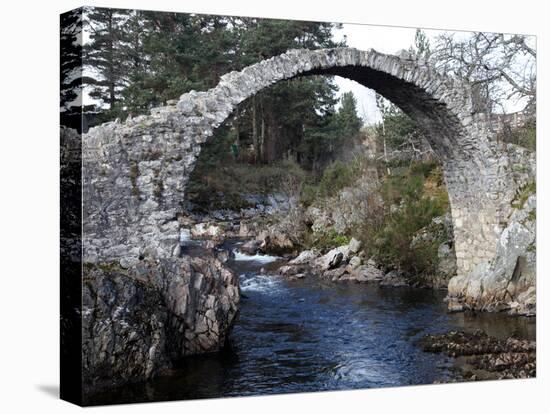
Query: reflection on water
(308, 335)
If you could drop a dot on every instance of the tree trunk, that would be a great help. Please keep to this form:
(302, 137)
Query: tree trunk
(237, 128)
(263, 155)
(385, 149)
(255, 131)
(110, 45)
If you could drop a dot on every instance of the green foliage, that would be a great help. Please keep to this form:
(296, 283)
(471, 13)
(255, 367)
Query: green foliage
(417, 195)
(326, 240)
(349, 123)
(393, 242)
(308, 194)
(523, 194)
(225, 185)
(107, 54)
(142, 59)
(421, 45)
(330, 135)
(334, 178)
(397, 128)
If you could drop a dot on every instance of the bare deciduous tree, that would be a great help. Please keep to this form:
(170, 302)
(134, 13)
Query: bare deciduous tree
(500, 67)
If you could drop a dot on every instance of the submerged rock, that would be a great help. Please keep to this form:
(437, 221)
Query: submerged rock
(394, 278)
(486, 357)
(251, 247)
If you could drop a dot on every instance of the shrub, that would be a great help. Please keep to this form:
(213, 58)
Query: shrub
(417, 194)
(525, 135)
(326, 240)
(335, 177)
(523, 194)
(225, 185)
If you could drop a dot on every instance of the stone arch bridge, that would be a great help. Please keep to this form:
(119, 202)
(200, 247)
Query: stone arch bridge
(135, 172)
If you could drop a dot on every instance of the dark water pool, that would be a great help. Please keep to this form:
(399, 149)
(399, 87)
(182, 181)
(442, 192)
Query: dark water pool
(306, 335)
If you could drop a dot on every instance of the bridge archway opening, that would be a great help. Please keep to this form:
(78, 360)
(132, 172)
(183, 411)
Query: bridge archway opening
(441, 108)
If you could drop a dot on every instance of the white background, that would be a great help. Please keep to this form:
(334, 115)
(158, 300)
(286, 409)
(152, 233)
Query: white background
(29, 195)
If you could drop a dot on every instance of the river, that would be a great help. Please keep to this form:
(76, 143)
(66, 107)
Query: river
(312, 335)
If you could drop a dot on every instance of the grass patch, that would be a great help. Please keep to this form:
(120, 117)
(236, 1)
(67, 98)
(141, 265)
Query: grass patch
(523, 194)
(326, 240)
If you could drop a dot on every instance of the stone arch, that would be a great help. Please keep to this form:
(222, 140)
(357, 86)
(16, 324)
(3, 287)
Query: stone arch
(443, 108)
(151, 157)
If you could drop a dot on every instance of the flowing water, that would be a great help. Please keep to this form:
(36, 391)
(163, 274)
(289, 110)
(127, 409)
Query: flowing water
(309, 335)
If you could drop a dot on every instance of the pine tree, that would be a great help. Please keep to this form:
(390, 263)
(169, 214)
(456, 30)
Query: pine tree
(71, 57)
(421, 45)
(349, 122)
(105, 55)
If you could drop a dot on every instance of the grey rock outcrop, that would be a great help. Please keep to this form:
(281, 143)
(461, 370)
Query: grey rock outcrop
(138, 322)
(207, 231)
(344, 210)
(507, 283)
(333, 258)
(368, 273)
(307, 256)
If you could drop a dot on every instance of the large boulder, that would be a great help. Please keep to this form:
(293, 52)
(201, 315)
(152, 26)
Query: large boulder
(307, 256)
(367, 273)
(206, 230)
(354, 245)
(138, 322)
(333, 258)
(275, 241)
(244, 229)
(251, 247)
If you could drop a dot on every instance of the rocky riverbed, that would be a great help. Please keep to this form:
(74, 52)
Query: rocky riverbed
(142, 320)
(482, 357)
(297, 334)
